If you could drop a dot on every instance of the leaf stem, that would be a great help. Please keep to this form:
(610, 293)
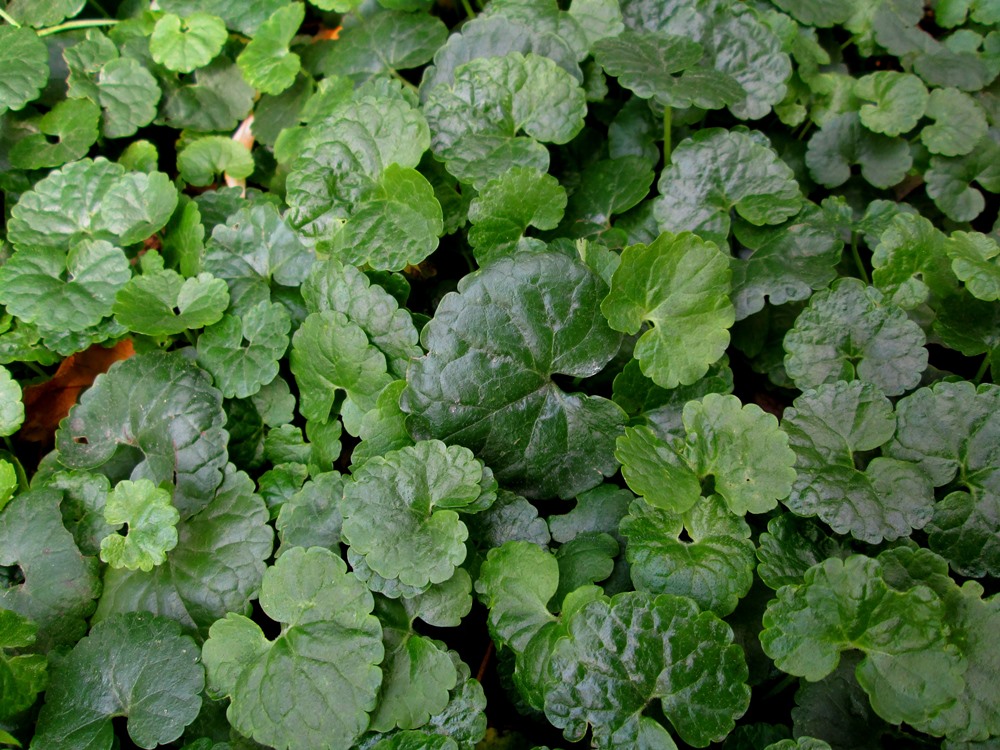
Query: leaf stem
(99, 8)
(403, 81)
(83, 23)
(8, 19)
(983, 367)
(36, 369)
(667, 143)
(781, 686)
(469, 12)
(857, 259)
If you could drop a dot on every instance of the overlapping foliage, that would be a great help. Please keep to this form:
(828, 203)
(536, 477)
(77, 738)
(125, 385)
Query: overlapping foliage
(636, 353)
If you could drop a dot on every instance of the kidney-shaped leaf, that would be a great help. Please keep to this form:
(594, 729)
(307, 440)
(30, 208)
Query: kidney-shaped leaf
(622, 654)
(133, 665)
(487, 380)
(157, 413)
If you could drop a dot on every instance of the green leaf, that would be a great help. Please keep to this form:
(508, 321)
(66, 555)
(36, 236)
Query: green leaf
(802, 743)
(266, 61)
(712, 564)
(959, 123)
(973, 259)
(909, 671)
(329, 637)
(516, 582)
(647, 62)
(151, 520)
(153, 416)
(400, 511)
(506, 206)
(600, 509)
(201, 160)
(383, 43)
(215, 568)
(416, 740)
(416, 678)
(853, 332)
(607, 187)
(164, 302)
(242, 353)
(134, 665)
(94, 199)
(493, 99)
(65, 133)
(311, 517)
(584, 560)
(183, 45)
(394, 224)
(909, 264)
(11, 406)
(790, 546)
(58, 584)
(827, 427)
(513, 325)
(255, 251)
(25, 63)
(652, 468)
(511, 517)
(950, 180)
(333, 285)
(64, 291)
(837, 709)
(843, 142)
(216, 99)
(22, 676)
(245, 16)
(900, 100)
(716, 171)
(822, 13)
(331, 352)
(128, 94)
(786, 262)
(621, 655)
(680, 284)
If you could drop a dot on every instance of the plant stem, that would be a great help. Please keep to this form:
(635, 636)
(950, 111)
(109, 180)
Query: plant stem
(857, 259)
(9, 20)
(469, 12)
(85, 23)
(403, 81)
(780, 687)
(667, 143)
(36, 369)
(983, 367)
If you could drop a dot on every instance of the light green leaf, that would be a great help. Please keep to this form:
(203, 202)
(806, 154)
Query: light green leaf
(585, 560)
(821, 13)
(25, 63)
(134, 665)
(8, 481)
(852, 332)
(505, 208)
(266, 62)
(790, 546)
(959, 123)
(400, 511)
(416, 740)
(184, 44)
(443, 605)
(598, 19)
(900, 100)
(827, 427)
(648, 62)
(333, 285)
(92, 199)
(909, 264)
(843, 142)
(652, 468)
(153, 416)
(311, 517)
(66, 132)
(490, 102)
(164, 302)
(516, 582)
(59, 584)
(11, 406)
(621, 655)
(383, 43)
(974, 261)
(487, 380)
(329, 637)
(128, 94)
(60, 291)
(215, 568)
(950, 180)
(712, 564)
(909, 671)
(242, 353)
(716, 171)
(394, 224)
(680, 284)
(22, 676)
(331, 352)
(201, 160)
(151, 520)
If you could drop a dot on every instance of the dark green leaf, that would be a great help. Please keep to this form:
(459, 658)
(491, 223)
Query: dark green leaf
(25, 63)
(843, 142)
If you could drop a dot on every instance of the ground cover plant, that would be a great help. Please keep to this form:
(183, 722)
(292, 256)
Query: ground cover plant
(418, 374)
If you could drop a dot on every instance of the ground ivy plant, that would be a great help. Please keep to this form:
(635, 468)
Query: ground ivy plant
(522, 374)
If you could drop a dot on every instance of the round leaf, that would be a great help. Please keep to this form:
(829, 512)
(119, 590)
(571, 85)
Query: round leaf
(185, 44)
(899, 101)
(25, 63)
(151, 519)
